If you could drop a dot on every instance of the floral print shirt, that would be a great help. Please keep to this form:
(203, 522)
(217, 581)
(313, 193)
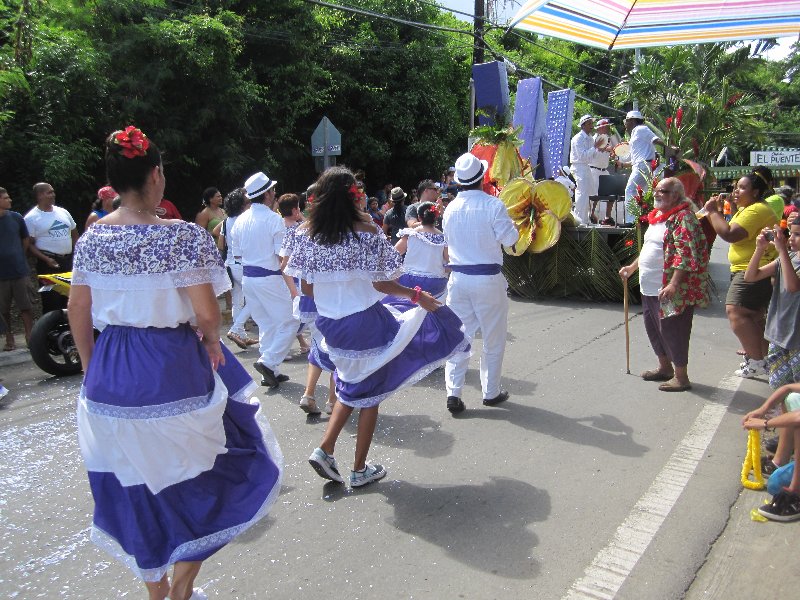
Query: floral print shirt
(686, 248)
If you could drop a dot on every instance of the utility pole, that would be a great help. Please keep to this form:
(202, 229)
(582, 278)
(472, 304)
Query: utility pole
(477, 49)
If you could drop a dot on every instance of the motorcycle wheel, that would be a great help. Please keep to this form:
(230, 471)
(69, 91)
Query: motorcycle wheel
(52, 347)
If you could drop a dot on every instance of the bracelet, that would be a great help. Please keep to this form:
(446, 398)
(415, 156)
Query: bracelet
(766, 426)
(417, 292)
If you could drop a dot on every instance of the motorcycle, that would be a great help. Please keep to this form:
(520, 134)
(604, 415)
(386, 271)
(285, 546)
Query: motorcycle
(51, 344)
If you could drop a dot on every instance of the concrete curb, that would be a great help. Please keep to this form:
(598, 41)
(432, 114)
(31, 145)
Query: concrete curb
(15, 357)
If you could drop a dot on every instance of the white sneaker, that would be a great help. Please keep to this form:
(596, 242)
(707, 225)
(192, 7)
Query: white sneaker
(325, 465)
(751, 368)
(368, 475)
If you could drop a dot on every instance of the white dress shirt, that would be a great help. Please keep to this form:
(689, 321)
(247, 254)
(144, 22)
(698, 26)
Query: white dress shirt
(581, 149)
(258, 235)
(475, 224)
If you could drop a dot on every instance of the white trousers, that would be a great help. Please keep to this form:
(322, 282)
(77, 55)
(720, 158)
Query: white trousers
(240, 310)
(271, 307)
(480, 302)
(585, 186)
(639, 175)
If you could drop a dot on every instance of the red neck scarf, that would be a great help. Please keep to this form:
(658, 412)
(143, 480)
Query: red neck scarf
(658, 216)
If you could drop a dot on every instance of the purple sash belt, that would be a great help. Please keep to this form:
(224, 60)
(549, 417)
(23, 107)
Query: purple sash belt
(490, 269)
(253, 271)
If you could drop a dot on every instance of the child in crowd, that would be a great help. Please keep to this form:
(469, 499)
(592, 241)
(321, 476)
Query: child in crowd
(783, 360)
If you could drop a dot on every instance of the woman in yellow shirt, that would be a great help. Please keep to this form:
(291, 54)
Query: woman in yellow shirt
(746, 303)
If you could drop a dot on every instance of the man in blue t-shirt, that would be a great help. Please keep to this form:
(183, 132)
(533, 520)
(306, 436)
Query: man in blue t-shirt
(14, 243)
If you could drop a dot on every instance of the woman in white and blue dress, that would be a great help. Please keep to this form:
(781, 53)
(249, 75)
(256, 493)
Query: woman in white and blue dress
(425, 253)
(178, 465)
(346, 263)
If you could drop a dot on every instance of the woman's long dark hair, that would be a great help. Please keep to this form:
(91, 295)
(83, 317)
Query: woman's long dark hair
(234, 202)
(427, 213)
(124, 173)
(333, 213)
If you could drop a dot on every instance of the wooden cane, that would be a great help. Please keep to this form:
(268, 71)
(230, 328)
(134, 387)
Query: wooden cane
(627, 332)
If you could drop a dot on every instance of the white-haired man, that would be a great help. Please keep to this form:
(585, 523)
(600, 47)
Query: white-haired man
(475, 224)
(259, 233)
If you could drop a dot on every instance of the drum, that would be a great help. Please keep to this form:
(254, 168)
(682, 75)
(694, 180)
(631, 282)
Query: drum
(602, 138)
(622, 151)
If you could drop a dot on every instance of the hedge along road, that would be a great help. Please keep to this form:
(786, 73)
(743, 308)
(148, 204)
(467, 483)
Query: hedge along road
(587, 482)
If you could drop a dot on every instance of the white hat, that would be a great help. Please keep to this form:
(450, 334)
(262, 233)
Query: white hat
(469, 169)
(602, 122)
(634, 114)
(258, 184)
(566, 171)
(585, 118)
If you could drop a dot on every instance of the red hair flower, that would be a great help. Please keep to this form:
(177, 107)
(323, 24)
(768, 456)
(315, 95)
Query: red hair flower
(133, 142)
(353, 192)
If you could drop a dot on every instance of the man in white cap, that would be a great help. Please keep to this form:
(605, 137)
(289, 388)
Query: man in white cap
(582, 150)
(599, 166)
(643, 153)
(475, 224)
(259, 232)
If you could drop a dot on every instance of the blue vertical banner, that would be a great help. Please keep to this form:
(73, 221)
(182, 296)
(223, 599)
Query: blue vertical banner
(530, 114)
(560, 108)
(491, 90)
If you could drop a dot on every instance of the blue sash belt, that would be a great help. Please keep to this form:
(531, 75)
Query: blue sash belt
(490, 269)
(253, 271)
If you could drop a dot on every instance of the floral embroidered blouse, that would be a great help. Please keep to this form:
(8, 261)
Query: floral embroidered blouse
(686, 248)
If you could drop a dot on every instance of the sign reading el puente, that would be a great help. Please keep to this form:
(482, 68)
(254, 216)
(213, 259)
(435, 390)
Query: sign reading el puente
(775, 158)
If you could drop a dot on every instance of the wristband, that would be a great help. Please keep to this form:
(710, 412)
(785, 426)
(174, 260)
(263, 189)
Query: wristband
(417, 292)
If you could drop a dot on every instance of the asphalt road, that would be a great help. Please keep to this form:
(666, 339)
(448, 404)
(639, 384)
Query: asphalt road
(588, 482)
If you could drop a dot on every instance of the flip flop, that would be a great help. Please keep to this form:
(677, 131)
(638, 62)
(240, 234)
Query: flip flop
(9, 347)
(741, 352)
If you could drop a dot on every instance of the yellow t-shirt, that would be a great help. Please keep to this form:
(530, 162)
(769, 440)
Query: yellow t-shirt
(752, 219)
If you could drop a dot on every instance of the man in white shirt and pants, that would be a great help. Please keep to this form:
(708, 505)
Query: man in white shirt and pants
(582, 151)
(258, 233)
(599, 166)
(475, 224)
(643, 152)
(54, 234)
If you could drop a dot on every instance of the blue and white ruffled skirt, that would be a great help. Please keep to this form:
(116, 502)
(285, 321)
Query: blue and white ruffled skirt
(178, 463)
(380, 350)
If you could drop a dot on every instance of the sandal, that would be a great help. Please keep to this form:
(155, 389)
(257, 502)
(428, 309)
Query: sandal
(237, 339)
(673, 385)
(656, 375)
(9, 347)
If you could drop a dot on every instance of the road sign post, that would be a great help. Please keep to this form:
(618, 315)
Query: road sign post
(326, 145)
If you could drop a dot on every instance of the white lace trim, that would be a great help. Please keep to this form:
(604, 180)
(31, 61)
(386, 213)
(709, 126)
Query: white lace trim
(153, 411)
(336, 276)
(462, 350)
(431, 239)
(354, 354)
(424, 274)
(188, 549)
(216, 276)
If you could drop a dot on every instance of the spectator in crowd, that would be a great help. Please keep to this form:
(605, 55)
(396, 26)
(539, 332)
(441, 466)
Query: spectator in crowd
(103, 204)
(475, 225)
(427, 191)
(673, 279)
(167, 210)
(384, 194)
(375, 212)
(14, 245)
(53, 233)
(746, 302)
(394, 219)
(212, 213)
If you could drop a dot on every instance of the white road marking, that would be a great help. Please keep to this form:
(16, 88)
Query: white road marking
(614, 563)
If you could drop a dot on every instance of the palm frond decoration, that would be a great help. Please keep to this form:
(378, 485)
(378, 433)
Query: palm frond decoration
(601, 269)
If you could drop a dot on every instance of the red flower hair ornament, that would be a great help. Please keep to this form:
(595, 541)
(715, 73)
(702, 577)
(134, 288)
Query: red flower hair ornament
(132, 141)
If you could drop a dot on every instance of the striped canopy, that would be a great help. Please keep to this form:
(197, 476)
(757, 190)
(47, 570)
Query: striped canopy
(625, 24)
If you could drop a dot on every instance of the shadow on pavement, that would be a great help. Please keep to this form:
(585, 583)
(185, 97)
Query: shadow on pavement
(602, 431)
